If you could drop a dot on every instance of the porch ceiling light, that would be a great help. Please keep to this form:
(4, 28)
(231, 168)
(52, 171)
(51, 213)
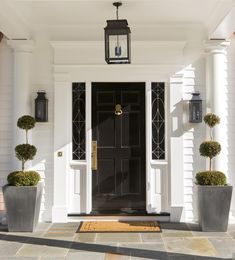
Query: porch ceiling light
(117, 40)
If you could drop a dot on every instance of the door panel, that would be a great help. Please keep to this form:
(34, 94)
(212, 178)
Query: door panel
(131, 176)
(119, 181)
(130, 129)
(105, 120)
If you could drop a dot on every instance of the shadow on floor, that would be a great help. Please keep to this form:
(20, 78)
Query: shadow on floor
(180, 226)
(143, 253)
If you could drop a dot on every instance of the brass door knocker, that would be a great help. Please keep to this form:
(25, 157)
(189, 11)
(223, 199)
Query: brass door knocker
(118, 110)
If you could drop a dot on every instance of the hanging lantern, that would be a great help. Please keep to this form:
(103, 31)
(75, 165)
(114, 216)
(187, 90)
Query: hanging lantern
(195, 108)
(41, 107)
(117, 40)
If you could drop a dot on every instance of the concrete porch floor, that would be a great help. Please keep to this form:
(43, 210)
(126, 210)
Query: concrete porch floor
(60, 241)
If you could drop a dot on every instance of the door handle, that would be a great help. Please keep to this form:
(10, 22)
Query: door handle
(118, 110)
(94, 155)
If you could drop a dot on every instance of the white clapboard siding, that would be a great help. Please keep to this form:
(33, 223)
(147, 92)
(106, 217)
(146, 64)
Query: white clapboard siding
(231, 117)
(6, 85)
(194, 134)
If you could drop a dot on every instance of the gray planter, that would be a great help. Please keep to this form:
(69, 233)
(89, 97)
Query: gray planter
(23, 206)
(213, 207)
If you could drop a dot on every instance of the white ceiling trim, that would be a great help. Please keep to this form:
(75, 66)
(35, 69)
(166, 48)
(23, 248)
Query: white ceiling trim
(11, 24)
(78, 44)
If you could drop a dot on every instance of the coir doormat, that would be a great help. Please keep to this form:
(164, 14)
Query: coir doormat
(118, 226)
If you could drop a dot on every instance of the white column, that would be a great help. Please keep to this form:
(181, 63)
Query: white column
(217, 97)
(23, 50)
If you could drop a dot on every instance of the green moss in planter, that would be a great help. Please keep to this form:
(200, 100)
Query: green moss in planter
(211, 178)
(27, 178)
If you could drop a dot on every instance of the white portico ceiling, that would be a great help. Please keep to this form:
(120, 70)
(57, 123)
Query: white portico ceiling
(85, 19)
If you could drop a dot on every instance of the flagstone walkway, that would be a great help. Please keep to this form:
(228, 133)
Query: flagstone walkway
(60, 241)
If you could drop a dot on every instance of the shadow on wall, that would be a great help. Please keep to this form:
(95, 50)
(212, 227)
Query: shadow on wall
(193, 79)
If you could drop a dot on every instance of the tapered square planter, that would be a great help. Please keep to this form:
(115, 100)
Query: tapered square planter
(213, 207)
(23, 206)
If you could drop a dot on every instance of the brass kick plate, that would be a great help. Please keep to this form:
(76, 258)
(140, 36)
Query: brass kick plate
(94, 155)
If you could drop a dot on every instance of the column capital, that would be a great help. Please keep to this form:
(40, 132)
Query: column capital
(21, 45)
(215, 46)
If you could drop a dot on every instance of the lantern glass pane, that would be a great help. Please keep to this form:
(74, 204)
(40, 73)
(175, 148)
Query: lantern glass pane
(196, 111)
(118, 48)
(40, 110)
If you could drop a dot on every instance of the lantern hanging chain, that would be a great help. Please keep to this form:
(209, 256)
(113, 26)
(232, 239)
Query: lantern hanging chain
(117, 12)
(117, 19)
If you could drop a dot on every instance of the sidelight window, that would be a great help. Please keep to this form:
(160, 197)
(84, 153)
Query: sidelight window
(79, 121)
(158, 120)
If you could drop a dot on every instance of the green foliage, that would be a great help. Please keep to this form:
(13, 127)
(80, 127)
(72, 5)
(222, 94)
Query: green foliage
(25, 152)
(19, 178)
(211, 119)
(26, 122)
(209, 149)
(211, 178)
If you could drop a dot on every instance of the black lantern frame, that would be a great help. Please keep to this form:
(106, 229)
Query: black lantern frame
(117, 40)
(41, 107)
(195, 108)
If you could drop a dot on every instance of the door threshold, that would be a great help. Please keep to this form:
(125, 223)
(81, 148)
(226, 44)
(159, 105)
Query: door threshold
(118, 218)
(163, 217)
(113, 213)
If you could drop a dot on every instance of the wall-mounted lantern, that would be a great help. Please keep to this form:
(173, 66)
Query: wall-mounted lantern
(41, 107)
(117, 40)
(195, 108)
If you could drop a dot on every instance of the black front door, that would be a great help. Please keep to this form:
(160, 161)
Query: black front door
(119, 183)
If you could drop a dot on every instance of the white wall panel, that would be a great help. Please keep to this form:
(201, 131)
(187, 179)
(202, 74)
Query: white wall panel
(6, 133)
(231, 117)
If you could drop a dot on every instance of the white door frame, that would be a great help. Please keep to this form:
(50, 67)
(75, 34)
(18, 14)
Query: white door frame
(65, 167)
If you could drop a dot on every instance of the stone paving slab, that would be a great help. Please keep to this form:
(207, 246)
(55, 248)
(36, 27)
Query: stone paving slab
(73, 255)
(210, 234)
(177, 234)
(225, 247)
(193, 246)
(179, 241)
(86, 237)
(150, 250)
(145, 246)
(117, 257)
(151, 237)
(9, 248)
(39, 250)
(60, 236)
(19, 258)
(118, 237)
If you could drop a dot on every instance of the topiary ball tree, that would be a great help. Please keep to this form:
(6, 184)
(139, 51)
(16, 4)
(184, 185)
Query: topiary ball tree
(210, 149)
(26, 122)
(24, 152)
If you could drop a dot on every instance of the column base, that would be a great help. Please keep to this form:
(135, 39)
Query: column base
(59, 214)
